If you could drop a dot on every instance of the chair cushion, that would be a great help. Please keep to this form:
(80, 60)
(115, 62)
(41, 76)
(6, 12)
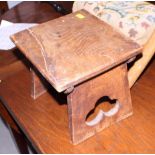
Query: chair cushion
(134, 19)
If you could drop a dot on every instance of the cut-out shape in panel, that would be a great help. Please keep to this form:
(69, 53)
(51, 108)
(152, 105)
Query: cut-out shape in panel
(104, 107)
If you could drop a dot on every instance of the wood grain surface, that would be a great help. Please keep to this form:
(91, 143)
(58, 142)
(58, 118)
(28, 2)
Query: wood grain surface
(25, 12)
(45, 120)
(83, 99)
(74, 48)
(38, 86)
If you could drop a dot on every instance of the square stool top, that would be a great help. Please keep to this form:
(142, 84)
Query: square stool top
(74, 48)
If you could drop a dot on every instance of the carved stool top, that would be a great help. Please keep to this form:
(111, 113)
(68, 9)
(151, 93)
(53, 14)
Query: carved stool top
(74, 48)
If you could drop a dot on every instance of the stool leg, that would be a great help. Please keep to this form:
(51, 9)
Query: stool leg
(82, 100)
(38, 87)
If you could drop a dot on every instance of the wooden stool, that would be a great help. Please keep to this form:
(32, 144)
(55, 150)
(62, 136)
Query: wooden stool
(135, 19)
(86, 59)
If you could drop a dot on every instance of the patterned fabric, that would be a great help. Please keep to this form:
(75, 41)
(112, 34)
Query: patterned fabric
(134, 19)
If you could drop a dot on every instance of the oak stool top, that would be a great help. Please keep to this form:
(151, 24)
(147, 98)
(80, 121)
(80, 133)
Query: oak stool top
(74, 48)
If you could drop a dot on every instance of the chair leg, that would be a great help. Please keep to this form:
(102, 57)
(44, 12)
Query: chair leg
(136, 70)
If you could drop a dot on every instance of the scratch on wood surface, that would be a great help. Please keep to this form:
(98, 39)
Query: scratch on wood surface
(42, 50)
(41, 46)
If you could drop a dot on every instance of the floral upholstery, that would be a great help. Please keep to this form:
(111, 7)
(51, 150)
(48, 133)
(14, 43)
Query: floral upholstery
(134, 19)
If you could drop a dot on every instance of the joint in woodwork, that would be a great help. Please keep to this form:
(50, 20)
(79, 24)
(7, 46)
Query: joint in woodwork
(131, 59)
(69, 90)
